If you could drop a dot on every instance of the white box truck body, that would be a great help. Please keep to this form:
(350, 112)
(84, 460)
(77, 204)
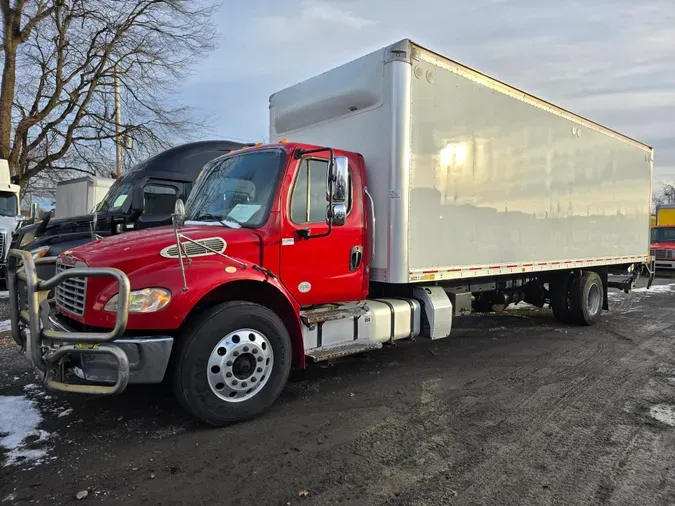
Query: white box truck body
(472, 177)
(78, 197)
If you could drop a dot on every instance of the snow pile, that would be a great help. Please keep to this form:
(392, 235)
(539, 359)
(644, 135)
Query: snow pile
(4, 294)
(641, 292)
(663, 413)
(656, 289)
(19, 432)
(5, 326)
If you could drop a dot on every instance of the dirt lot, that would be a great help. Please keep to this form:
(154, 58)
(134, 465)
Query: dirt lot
(512, 409)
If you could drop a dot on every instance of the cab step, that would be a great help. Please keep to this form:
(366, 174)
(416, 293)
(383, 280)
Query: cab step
(342, 349)
(332, 312)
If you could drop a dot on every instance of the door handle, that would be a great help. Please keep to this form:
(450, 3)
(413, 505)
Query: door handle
(355, 258)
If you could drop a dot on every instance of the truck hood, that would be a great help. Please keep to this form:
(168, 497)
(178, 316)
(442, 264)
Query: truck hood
(136, 250)
(8, 223)
(64, 225)
(662, 245)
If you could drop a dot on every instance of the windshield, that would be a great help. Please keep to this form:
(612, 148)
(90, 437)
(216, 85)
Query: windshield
(116, 197)
(237, 189)
(8, 204)
(665, 234)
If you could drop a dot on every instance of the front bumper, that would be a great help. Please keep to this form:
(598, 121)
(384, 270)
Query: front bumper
(83, 362)
(665, 264)
(148, 358)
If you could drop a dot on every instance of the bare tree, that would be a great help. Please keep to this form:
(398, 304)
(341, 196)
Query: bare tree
(56, 104)
(667, 195)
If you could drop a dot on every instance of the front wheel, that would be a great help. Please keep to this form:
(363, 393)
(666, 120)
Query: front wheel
(232, 364)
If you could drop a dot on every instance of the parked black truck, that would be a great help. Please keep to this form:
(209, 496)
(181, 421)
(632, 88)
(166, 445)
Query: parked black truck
(144, 197)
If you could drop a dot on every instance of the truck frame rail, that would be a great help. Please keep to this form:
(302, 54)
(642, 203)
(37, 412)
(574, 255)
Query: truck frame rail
(45, 347)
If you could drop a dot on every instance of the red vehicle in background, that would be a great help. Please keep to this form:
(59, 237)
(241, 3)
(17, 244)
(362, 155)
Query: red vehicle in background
(663, 246)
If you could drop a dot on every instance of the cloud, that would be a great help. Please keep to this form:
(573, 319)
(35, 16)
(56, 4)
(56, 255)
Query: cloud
(326, 11)
(612, 61)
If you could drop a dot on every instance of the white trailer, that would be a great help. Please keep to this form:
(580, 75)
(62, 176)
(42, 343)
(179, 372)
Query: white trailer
(78, 197)
(472, 177)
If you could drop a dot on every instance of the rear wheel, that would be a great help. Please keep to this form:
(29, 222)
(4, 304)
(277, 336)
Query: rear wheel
(232, 364)
(560, 297)
(586, 296)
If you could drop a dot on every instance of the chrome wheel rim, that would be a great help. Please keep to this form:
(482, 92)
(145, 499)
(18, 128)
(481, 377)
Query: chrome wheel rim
(594, 297)
(240, 365)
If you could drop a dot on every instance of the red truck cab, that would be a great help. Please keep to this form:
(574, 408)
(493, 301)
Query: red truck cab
(663, 246)
(256, 232)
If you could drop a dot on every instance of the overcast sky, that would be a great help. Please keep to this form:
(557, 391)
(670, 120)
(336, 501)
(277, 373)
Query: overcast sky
(612, 61)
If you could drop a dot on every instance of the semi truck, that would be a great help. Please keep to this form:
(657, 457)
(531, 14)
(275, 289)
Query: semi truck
(401, 190)
(10, 213)
(142, 198)
(663, 237)
(663, 246)
(78, 197)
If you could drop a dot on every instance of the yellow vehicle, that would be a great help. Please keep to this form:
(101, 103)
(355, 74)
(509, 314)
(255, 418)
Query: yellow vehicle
(652, 221)
(665, 215)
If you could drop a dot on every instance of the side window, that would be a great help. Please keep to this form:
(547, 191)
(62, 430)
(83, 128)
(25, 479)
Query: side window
(158, 199)
(188, 190)
(308, 200)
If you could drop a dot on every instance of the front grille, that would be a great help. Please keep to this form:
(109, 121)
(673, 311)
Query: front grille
(3, 241)
(664, 253)
(72, 293)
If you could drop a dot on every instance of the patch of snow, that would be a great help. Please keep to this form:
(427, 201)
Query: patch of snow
(656, 289)
(65, 412)
(5, 326)
(19, 421)
(663, 413)
(4, 294)
(521, 305)
(30, 386)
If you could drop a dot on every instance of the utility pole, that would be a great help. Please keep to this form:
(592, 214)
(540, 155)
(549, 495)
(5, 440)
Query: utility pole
(118, 124)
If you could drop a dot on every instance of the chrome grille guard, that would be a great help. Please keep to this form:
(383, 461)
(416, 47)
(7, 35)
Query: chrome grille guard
(45, 347)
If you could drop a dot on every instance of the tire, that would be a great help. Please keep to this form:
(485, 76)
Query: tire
(586, 297)
(560, 298)
(232, 364)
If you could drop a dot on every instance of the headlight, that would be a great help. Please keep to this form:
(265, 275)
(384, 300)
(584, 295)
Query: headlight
(39, 252)
(27, 239)
(147, 300)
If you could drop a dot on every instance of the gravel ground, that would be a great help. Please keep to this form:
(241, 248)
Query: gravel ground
(512, 409)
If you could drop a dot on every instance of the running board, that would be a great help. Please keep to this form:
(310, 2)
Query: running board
(342, 349)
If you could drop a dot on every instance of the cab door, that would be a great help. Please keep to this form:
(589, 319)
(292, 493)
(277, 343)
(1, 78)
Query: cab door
(318, 268)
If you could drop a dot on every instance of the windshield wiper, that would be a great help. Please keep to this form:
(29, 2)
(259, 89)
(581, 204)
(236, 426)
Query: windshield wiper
(208, 216)
(228, 223)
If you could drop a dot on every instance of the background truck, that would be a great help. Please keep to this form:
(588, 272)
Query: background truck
(80, 196)
(663, 246)
(10, 212)
(665, 215)
(143, 198)
(415, 190)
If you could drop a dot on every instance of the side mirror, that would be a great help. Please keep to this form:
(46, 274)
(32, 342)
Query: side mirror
(178, 214)
(339, 215)
(137, 201)
(20, 218)
(340, 175)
